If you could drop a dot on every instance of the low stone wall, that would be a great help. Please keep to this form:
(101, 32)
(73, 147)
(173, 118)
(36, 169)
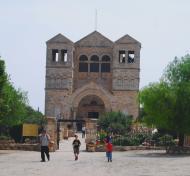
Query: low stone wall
(9, 141)
(101, 148)
(178, 150)
(127, 148)
(15, 146)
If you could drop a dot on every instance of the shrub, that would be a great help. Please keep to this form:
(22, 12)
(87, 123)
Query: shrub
(115, 122)
(167, 141)
(2, 137)
(122, 141)
(101, 136)
(131, 139)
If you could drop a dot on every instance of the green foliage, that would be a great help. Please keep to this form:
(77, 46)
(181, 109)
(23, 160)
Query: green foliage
(3, 76)
(34, 117)
(15, 101)
(177, 71)
(14, 108)
(167, 141)
(124, 141)
(115, 122)
(3, 137)
(131, 139)
(12, 101)
(157, 100)
(156, 138)
(101, 136)
(167, 104)
(3, 80)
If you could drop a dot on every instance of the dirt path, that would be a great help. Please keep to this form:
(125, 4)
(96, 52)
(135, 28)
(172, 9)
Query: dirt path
(132, 163)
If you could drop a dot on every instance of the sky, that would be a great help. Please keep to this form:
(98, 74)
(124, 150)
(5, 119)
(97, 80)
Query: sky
(162, 27)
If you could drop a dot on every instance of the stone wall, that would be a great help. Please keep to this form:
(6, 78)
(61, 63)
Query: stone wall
(187, 141)
(66, 86)
(14, 146)
(82, 78)
(52, 131)
(127, 102)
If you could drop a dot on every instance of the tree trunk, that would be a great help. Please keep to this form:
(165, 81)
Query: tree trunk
(181, 140)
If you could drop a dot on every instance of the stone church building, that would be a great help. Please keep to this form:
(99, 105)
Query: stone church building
(91, 76)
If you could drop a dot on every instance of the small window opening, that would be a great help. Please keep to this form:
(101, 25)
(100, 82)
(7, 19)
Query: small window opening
(105, 67)
(122, 56)
(105, 58)
(55, 55)
(64, 55)
(131, 56)
(93, 115)
(94, 58)
(83, 67)
(83, 58)
(94, 67)
(94, 103)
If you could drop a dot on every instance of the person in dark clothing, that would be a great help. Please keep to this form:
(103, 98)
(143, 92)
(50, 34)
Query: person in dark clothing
(76, 145)
(108, 138)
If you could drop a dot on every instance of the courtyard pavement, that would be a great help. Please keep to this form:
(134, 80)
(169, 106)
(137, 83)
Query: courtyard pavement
(131, 163)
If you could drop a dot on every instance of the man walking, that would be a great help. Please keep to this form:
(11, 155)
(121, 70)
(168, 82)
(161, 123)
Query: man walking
(83, 131)
(76, 145)
(44, 141)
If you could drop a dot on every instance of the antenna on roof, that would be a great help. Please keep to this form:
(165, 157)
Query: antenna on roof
(96, 20)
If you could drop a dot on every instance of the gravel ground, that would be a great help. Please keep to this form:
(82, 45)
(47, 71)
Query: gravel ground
(131, 163)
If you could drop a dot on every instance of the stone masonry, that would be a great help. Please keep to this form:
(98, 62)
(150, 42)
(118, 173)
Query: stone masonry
(91, 76)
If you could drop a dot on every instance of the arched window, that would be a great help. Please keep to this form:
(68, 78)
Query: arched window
(93, 103)
(83, 58)
(94, 58)
(105, 65)
(83, 63)
(94, 63)
(105, 58)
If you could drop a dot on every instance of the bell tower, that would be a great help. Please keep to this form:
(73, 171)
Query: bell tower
(126, 64)
(126, 73)
(59, 74)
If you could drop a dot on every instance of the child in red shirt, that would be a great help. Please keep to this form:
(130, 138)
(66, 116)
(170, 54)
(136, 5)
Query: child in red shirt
(109, 151)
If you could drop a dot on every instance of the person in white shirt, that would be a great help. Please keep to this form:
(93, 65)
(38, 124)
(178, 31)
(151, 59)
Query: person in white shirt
(44, 141)
(83, 131)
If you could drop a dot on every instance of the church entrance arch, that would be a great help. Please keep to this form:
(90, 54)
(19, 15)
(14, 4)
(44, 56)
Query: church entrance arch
(90, 106)
(89, 102)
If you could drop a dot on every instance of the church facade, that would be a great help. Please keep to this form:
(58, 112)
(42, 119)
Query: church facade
(91, 76)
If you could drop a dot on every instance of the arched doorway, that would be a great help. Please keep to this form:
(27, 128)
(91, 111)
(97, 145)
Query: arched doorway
(90, 107)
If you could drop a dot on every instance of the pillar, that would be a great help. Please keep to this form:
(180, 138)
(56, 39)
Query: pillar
(52, 131)
(74, 118)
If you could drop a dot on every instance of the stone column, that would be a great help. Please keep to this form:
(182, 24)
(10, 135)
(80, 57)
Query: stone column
(187, 141)
(52, 131)
(59, 56)
(91, 131)
(74, 118)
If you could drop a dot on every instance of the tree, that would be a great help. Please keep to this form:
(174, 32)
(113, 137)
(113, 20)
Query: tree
(167, 103)
(157, 101)
(15, 101)
(177, 76)
(14, 108)
(33, 116)
(3, 81)
(116, 122)
(12, 101)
